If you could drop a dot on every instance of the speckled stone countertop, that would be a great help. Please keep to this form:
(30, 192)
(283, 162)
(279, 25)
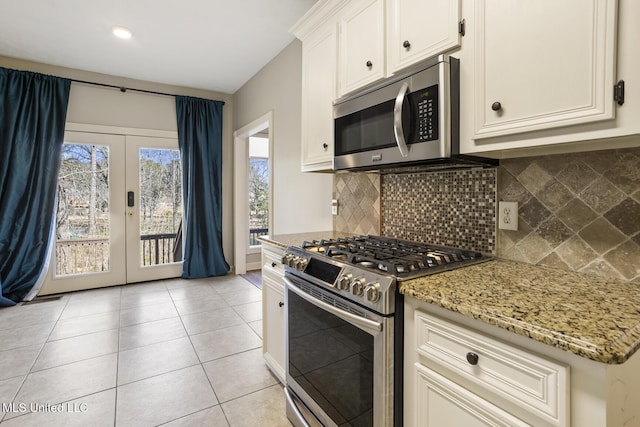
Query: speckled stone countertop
(592, 317)
(286, 240)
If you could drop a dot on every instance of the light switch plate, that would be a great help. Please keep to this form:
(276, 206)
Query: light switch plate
(334, 207)
(508, 216)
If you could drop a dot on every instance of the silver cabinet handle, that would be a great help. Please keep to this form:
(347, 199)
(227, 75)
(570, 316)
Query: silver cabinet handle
(397, 120)
(360, 322)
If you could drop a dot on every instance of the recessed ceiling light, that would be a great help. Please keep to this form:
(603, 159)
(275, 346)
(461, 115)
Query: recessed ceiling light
(121, 32)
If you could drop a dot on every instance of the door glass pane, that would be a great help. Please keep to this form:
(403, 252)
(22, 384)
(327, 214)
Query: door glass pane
(82, 214)
(258, 189)
(160, 206)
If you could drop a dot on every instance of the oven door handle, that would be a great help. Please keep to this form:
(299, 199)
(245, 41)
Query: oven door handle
(397, 120)
(294, 408)
(360, 322)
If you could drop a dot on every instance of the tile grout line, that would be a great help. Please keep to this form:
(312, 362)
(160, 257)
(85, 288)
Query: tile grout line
(2, 419)
(115, 399)
(200, 363)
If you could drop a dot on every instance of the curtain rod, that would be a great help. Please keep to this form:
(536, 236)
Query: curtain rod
(123, 89)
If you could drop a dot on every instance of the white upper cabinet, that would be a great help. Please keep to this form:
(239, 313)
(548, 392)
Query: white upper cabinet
(361, 45)
(420, 29)
(542, 64)
(318, 93)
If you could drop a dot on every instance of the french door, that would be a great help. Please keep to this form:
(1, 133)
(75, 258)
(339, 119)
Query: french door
(119, 212)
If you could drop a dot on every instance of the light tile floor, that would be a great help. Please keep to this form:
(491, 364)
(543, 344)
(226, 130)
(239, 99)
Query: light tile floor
(172, 352)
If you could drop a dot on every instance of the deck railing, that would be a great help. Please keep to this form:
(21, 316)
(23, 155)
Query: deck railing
(75, 256)
(157, 248)
(254, 233)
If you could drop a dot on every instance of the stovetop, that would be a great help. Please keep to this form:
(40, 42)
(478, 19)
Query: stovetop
(365, 269)
(402, 259)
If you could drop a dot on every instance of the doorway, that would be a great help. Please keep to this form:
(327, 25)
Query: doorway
(119, 212)
(253, 147)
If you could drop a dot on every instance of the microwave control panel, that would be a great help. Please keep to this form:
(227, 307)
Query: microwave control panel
(425, 104)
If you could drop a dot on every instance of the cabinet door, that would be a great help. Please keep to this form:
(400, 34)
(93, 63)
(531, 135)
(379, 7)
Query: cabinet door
(273, 346)
(543, 64)
(420, 29)
(441, 402)
(319, 55)
(361, 45)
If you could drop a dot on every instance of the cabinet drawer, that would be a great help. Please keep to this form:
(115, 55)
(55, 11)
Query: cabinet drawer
(273, 275)
(539, 385)
(441, 402)
(272, 259)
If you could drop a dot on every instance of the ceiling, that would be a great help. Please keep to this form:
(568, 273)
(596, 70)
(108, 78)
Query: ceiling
(207, 44)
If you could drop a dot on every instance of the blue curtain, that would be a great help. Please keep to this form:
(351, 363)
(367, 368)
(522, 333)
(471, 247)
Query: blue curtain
(33, 110)
(200, 140)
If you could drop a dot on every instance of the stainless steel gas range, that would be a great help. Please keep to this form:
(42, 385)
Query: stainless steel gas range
(344, 326)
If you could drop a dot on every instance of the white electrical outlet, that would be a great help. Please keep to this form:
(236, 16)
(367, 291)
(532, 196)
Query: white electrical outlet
(334, 207)
(508, 216)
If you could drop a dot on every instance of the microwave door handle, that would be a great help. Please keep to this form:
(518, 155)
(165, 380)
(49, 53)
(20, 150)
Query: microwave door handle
(397, 120)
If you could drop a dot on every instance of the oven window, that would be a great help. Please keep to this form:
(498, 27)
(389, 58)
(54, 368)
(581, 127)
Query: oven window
(332, 361)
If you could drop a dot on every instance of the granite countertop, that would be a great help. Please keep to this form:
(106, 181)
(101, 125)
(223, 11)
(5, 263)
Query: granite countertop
(593, 317)
(286, 240)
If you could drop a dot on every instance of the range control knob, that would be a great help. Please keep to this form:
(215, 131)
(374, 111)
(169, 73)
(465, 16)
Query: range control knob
(293, 261)
(301, 264)
(372, 291)
(343, 282)
(358, 287)
(286, 258)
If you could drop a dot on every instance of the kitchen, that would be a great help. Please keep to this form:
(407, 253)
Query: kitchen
(538, 182)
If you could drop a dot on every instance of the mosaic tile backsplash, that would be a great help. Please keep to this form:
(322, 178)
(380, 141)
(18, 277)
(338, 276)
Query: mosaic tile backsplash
(449, 208)
(577, 212)
(446, 208)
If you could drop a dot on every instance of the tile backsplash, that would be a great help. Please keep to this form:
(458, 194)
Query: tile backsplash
(577, 212)
(448, 208)
(453, 208)
(358, 196)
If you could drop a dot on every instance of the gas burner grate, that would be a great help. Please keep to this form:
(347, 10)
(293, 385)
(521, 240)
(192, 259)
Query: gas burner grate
(397, 257)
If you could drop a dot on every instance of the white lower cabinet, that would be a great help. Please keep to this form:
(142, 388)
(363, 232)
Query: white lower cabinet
(463, 372)
(462, 375)
(441, 402)
(273, 311)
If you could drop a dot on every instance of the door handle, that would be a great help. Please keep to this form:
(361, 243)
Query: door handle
(130, 199)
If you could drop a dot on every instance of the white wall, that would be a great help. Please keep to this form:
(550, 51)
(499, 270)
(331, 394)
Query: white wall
(302, 201)
(95, 105)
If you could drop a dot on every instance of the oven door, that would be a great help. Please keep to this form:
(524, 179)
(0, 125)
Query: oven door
(339, 360)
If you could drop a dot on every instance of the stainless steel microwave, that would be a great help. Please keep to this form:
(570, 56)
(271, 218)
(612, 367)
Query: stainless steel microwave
(410, 120)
